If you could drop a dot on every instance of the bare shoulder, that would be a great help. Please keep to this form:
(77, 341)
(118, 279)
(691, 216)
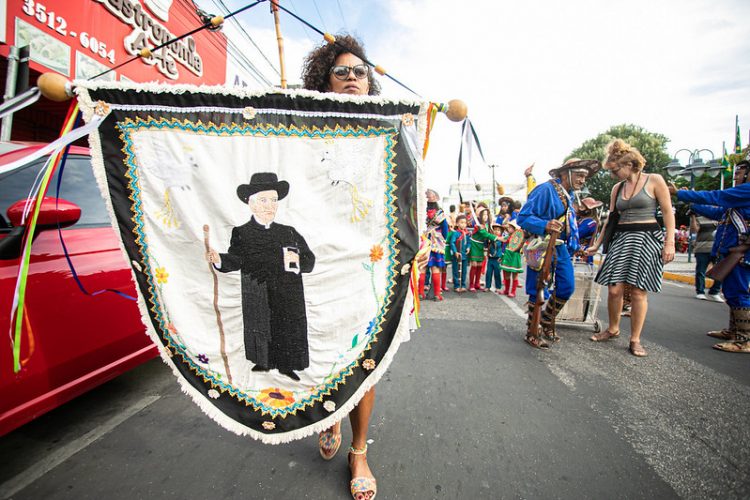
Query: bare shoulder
(657, 180)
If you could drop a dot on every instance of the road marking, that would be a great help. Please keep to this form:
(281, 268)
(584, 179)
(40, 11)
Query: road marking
(513, 306)
(55, 458)
(678, 285)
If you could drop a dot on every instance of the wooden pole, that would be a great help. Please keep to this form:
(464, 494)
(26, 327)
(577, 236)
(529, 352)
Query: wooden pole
(279, 40)
(219, 322)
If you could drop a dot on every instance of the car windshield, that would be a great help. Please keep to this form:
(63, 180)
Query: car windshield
(78, 186)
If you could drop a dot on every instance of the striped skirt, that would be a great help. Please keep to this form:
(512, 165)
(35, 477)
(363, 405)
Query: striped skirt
(634, 257)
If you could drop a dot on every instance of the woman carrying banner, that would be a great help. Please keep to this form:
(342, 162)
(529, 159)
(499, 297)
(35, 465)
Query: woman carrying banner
(638, 250)
(336, 68)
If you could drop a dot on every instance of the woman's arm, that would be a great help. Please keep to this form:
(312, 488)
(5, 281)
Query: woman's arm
(661, 193)
(612, 205)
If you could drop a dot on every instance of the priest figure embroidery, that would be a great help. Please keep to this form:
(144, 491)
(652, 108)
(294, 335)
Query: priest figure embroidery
(270, 258)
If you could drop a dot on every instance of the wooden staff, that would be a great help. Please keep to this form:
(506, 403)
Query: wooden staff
(219, 323)
(541, 282)
(279, 40)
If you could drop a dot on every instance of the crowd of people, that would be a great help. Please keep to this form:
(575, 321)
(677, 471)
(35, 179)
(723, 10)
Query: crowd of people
(486, 251)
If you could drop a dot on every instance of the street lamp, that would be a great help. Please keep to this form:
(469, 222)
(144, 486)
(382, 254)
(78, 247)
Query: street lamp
(695, 168)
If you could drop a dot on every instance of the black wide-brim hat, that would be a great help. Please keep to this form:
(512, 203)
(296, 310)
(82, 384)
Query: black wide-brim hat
(593, 166)
(263, 181)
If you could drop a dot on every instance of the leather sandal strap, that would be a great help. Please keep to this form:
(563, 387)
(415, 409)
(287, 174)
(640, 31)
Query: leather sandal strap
(355, 451)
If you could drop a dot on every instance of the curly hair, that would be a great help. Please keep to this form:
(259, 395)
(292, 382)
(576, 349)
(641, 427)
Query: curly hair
(318, 64)
(621, 154)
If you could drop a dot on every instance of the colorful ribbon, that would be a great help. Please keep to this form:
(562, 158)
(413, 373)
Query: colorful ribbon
(19, 296)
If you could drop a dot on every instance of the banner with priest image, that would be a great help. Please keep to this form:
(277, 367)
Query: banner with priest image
(271, 236)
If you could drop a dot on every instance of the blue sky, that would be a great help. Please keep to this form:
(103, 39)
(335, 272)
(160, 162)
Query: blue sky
(541, 77)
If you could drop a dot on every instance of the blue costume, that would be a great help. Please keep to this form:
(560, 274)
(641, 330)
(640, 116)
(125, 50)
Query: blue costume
(546, 202)
(543, 205)
(586, 231)
(494, 254)
(732, 208)
(459, 243)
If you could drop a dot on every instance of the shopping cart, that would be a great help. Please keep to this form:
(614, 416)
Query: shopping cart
(581, 308)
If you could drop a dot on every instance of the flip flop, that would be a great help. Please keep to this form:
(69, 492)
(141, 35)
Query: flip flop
(536, 342)
(604, 336)
(743, 346)
(637, 350)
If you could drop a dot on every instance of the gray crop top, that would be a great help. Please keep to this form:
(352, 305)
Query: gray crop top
(640, 207)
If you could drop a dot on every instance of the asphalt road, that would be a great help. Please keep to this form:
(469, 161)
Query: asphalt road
(467, 411)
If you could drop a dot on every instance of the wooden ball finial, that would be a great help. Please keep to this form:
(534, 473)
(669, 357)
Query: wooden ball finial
(457, 110)
(54, 87)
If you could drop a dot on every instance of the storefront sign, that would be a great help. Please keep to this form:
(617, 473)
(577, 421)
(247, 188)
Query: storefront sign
(82, 38)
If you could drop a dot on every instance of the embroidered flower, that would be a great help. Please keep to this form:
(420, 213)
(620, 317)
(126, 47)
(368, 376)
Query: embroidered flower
(203, 358)
(407, 119)
(248, 113)
(376, 253)
(330, 406)
(276, 397)
(101, 108)
(172, 329)
(269, 426)
(161, 275)
(213, 394)
(368, 364)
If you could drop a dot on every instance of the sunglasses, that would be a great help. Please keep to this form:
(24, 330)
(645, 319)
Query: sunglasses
(342, 72)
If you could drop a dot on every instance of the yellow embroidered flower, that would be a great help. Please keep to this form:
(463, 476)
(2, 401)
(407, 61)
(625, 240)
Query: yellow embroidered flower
(376, 253)
(368, 364)
(278, 398)
(161, 275)
(269, 426)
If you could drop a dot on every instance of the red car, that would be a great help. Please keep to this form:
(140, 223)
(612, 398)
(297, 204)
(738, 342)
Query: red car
(71, 341)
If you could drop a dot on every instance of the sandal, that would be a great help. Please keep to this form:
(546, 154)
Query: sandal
(722, 334)
(636, 349)
(536, 342)
(740, 346)
(604, 336)
(329, 442)
(362, 485)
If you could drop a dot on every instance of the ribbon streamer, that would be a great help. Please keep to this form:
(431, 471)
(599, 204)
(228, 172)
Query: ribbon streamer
(19, 296)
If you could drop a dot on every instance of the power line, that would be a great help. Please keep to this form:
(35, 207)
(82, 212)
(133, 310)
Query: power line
(247, 35)
(341, 11)
(315, 3)
(307, 31)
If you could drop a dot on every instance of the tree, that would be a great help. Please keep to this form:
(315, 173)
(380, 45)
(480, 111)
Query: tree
(653, 147)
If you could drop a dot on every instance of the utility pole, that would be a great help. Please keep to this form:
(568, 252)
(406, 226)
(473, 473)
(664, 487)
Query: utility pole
(494, 192)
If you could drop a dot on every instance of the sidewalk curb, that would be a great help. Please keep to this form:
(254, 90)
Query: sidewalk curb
(685, 278)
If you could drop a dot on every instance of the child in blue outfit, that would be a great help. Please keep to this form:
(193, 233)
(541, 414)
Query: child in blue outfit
(459, 245)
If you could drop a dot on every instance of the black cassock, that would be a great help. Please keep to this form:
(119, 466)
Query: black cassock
(273, 298)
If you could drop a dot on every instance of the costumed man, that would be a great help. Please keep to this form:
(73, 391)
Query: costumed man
(271, 258)
(732, 208)
(588, 224)
(437, 230)
(550, 208)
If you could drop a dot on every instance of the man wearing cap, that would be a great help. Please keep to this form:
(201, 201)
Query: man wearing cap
(271, 258)
(732, 208)
(588, 224)
(550, 208)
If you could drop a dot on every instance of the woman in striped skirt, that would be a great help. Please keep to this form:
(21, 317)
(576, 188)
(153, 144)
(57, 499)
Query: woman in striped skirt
(638, 250)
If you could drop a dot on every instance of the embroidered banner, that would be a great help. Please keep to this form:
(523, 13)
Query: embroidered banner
(271, 237)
